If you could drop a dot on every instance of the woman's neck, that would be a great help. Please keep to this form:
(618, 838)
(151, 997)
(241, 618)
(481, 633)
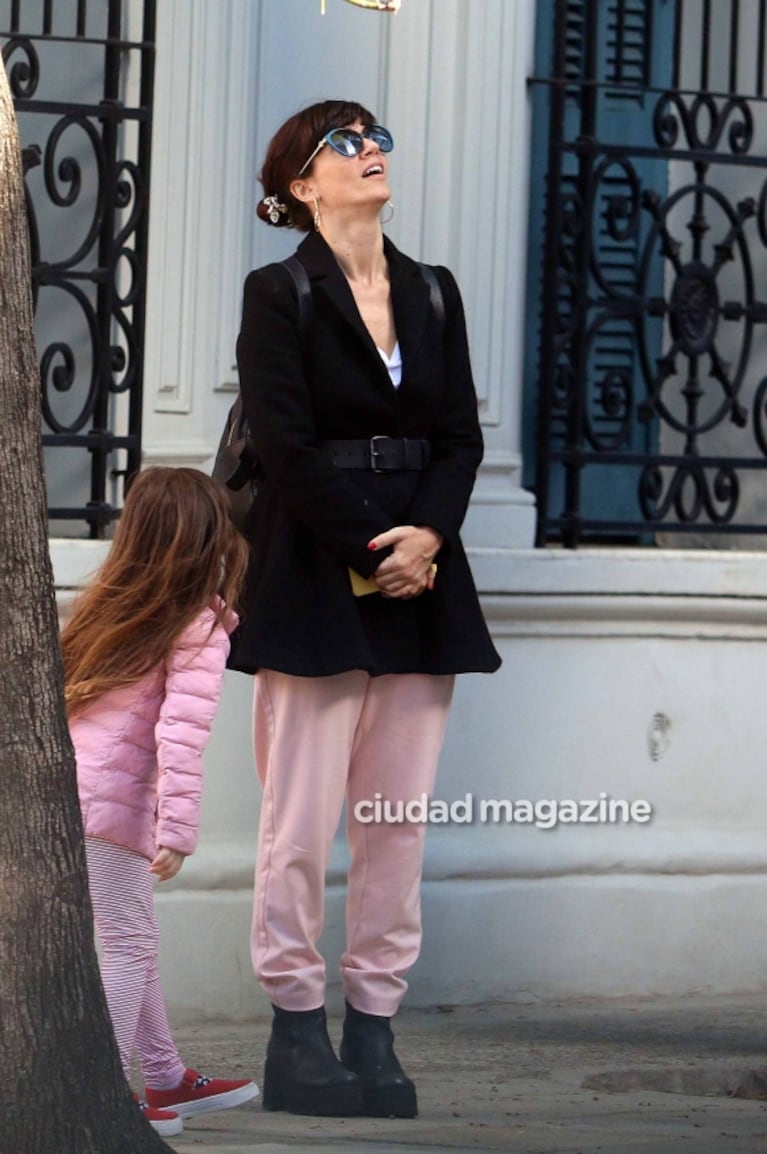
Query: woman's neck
(358, 248)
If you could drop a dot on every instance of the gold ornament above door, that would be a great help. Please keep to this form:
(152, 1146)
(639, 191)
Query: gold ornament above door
(376, 5)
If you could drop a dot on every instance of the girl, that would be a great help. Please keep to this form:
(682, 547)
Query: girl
(144, 654)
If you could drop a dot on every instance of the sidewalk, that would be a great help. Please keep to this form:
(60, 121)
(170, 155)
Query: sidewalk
(549, 1078)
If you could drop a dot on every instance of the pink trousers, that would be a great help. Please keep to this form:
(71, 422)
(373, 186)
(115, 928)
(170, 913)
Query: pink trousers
(320, 742)
(122, 895)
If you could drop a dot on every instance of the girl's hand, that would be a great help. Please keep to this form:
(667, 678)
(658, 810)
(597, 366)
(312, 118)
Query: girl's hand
(407, 571)
(167, 863)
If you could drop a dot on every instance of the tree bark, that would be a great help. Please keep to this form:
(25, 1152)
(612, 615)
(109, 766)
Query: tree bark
(62, 1090)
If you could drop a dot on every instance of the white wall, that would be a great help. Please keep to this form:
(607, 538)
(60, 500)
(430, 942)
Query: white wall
(597, 646)
(631, 673)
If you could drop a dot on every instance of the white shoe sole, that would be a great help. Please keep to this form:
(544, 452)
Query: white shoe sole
(170, 1128)
(215, 1102)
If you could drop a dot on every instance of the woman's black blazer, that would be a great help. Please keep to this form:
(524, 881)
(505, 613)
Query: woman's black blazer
(311, 520)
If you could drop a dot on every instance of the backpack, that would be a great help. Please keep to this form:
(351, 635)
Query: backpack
(236, 463)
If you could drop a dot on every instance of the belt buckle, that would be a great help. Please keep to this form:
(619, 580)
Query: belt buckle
(376, 452)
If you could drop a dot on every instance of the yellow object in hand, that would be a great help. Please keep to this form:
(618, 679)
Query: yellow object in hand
(361, 586)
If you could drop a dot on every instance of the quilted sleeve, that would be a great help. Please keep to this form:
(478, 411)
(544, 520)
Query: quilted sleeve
(194, 673)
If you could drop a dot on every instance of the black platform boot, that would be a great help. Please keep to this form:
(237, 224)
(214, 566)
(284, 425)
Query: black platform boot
(302, 1074)
(367, 1048)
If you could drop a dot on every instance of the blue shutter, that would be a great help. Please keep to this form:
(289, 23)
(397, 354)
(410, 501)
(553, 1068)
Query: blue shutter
(625, 46)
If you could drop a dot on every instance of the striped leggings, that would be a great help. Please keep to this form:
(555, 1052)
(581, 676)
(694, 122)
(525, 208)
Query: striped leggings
(122, 895)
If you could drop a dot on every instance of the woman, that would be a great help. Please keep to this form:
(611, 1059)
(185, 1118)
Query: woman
(360, 606)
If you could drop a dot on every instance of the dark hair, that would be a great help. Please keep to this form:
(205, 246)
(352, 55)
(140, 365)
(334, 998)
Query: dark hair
(289, 149)
(174, 548)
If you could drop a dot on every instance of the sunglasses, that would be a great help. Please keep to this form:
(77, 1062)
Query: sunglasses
(348, 142)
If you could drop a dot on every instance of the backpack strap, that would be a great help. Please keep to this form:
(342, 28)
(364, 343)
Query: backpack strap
(435, 292)
(300, 279)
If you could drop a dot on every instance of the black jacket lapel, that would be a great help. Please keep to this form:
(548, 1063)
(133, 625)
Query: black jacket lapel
(326, 275)
(410, 295)
(411, 301)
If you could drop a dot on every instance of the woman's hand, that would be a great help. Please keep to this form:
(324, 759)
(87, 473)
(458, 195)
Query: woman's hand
(408, 570)
(167, 863)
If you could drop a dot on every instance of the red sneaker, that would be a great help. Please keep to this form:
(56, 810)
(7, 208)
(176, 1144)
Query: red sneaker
(200, 1095)
(165, 1122)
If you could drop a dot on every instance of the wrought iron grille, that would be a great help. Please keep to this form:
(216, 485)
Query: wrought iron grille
(81, 74)
(650, 364)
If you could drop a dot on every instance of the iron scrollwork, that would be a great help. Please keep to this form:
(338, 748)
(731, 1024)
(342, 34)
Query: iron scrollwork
(653, 296)
(704, 119)
(87, 193)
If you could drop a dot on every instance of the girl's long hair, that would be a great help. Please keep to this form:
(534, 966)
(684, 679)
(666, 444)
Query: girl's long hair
(174, 549)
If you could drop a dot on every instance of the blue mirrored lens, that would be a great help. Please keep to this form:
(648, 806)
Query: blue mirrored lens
(380, 136)
(345, 141)
(348, 142)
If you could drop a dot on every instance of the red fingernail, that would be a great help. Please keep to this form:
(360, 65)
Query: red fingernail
(372, 546)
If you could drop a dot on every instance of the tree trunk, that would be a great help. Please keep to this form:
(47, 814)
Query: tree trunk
(62, 1090)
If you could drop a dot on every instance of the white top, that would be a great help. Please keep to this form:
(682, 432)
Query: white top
(393, 364)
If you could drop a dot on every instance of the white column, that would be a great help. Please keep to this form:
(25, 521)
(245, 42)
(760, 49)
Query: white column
(199, 232)
(457, 93)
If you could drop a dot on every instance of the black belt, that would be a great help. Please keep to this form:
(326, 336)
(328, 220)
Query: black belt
(381, 454)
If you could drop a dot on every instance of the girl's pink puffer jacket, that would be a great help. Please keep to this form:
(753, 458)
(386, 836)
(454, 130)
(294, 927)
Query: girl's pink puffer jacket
(139, 749)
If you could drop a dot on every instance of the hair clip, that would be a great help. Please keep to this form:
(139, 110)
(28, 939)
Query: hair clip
(274, 209)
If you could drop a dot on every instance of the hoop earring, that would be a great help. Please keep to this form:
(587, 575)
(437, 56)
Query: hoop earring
(390, 206)
(317, 217)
